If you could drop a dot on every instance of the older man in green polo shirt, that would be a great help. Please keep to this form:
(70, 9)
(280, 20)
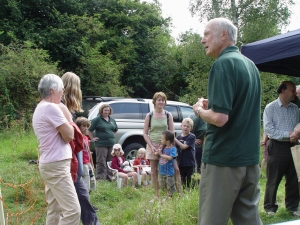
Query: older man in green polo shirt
(229, 171)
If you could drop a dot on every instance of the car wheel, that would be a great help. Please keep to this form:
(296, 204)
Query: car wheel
(131, 150)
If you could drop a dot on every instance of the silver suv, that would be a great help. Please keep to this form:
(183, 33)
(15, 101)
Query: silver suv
(130, 114)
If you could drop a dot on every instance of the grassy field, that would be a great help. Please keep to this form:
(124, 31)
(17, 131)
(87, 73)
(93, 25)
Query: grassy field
(22, 192)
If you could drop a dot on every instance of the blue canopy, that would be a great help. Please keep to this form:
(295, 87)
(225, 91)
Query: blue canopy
(279, 54)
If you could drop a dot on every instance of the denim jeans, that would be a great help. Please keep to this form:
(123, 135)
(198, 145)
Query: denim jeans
(88, 213)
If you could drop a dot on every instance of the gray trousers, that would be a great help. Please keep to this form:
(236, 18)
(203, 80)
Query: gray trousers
(103, 154)
(229, 192)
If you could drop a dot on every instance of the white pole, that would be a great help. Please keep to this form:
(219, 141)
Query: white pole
(2, 220)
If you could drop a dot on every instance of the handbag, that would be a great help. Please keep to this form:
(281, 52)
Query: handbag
(296, 157)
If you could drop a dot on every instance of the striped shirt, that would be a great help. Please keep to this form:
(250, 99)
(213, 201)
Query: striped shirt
(279, 120)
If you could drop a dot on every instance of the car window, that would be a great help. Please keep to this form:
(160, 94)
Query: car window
(86, 106)
(126, 110)
(173, 110)
(186, 111)
(145, 110)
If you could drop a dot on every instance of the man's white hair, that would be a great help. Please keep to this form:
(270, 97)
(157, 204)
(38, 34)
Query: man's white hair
(228, 26)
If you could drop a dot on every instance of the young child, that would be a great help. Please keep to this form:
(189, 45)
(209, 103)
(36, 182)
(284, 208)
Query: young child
(144, 165)
(166, 163)
(185, 144)
(88, 166)
(118, 161)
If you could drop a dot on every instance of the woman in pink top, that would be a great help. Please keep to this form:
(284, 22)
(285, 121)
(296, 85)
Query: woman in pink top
(54, 134)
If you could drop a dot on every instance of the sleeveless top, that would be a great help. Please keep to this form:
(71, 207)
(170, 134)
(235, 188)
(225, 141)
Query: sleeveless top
(157, 127)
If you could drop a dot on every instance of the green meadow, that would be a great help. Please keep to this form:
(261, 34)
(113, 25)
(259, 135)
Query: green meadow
(23, 193)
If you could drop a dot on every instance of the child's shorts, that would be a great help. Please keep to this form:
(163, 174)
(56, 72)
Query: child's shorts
(167, 183)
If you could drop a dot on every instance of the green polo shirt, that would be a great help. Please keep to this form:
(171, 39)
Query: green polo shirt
(105, 131)
(234, 89)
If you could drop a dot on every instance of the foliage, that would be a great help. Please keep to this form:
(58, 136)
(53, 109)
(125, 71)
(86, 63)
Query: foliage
(21, 67)
(255, 19)
(130, 36)
(101, 74)
(269, 84)
(138, 38)
(117, 47)
(195, 66)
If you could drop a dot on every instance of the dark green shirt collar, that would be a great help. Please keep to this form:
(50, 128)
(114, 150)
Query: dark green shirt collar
(105, 119)
(229, 49)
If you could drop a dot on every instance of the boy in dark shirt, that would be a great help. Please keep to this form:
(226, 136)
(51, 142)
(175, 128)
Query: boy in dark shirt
(185, 144)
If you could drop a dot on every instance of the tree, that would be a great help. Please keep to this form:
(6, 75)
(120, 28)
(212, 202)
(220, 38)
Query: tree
(255, 19)
(130, 36)
(138, 38)
(195, 66)
(21, 67)
(101, 74)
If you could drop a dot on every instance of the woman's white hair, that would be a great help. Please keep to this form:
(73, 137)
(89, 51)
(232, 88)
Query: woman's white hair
(228, 26)
(48, 82)
(117, 146)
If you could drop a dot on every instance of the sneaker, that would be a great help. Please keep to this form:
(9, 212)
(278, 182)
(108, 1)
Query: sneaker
(95, 208)
(270, 213)
(296, 213)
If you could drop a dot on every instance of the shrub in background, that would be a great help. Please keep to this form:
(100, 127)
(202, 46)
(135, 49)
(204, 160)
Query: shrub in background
(21, 67)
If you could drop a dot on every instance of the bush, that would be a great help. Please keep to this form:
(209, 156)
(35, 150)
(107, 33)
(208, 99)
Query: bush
(21, 67)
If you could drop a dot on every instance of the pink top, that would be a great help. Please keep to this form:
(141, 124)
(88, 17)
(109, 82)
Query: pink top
(86, 151)
(46, 118)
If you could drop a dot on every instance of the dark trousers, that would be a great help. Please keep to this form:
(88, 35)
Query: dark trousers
(280, 163)
(186, 175)
(88, 214)
(198, 156)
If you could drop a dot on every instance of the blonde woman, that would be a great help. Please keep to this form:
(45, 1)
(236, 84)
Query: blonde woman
(72, 100)
(73, 96)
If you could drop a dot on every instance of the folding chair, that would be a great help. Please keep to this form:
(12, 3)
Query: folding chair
(116, 174)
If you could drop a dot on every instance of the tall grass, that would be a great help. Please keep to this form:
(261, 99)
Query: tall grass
(23, 193)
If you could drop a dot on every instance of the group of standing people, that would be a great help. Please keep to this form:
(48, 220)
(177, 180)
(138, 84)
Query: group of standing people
(230, 161)
(61, 143)
(173, 158)
(231, 152)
